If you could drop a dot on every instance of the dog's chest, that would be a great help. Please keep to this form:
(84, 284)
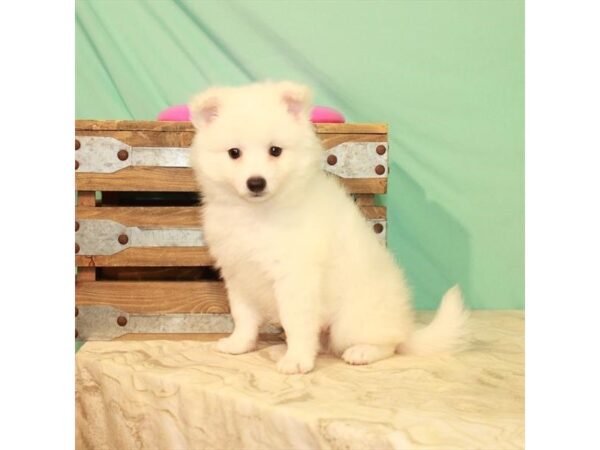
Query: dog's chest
(241, 239)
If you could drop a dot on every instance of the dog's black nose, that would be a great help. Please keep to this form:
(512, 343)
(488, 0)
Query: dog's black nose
(256, 184)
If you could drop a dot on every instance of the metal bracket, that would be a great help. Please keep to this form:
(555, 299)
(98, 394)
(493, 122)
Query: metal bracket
(102, 154)
(106, 322)
(107, 237)
(380, 229)
(357, 160)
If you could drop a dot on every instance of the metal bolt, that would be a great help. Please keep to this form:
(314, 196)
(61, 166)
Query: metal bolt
(331, 160)
(76, 226)
(380, 149)
(378, 228)
(380, 170)
(76, 248)
(76, 164)
(76, 311)
(77, 144)
(123, 239)
(123, 155)
(121, 321)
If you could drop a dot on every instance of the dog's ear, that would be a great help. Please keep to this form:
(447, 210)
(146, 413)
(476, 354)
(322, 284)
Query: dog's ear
(297, 98)
(204, 107)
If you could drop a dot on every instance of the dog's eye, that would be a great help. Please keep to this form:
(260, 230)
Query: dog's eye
(234, 153)
(275, 151)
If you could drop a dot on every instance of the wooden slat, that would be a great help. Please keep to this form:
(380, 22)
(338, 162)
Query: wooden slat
(86, 274)
(365, 185)
(171, 179)
(137, 138)
(145, 216)
(367, 128)
(132, 125)
(374, 212)
(365, 199)
(172, 216)
(86, 198)
(331, 140)
(150, 256)
(140, 125)
(184, 139)
(156, 297)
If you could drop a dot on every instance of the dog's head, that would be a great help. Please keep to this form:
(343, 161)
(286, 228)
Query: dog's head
(253, 141)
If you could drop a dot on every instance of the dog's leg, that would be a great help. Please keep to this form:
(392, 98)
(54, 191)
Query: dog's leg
(247, 322)
(297, 303)
(367, 353)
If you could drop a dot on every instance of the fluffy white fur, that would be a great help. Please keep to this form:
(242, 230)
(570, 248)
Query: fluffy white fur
(301, 254)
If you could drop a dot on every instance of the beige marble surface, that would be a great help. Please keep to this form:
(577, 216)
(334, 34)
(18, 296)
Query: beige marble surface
(183, 395)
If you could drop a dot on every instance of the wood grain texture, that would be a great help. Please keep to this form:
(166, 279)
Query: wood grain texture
(331, 140)
(131, 125)
(374, 212)
(156, 297)
(137, 138)
(150, 125)
(364, 199)
(172, 216)
(178, 179)
(365, 185)
(141, 216)
(150, 256)
(351, 128)
(169, 179)
(86, 198)
(86, 274)
(143, 138)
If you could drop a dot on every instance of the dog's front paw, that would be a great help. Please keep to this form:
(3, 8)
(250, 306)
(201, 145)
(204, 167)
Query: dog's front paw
(291, 364)
(234, 346)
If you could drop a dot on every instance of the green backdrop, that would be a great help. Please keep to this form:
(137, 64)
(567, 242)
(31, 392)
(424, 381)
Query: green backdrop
(448, 77)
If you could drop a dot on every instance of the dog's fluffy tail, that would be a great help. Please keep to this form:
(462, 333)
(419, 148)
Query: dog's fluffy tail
(447, 332)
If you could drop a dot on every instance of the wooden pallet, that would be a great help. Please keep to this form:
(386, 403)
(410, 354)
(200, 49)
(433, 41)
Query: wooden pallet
(122, 288)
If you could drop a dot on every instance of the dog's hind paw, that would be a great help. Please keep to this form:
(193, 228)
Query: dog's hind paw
(365, 354)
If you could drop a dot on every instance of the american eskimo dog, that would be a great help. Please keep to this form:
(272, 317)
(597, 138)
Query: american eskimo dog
(292, 246)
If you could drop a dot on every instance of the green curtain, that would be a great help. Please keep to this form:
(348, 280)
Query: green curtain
(448, 77)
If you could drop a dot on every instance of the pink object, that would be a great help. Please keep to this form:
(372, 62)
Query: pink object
(319, 114)
(323, 114)
(178, 113)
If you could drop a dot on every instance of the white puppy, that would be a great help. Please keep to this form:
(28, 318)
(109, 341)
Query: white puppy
(291, 244)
